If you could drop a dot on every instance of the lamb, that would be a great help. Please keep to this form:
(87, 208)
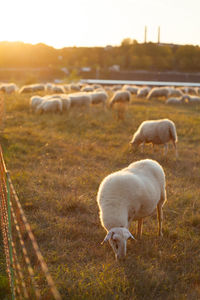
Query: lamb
(156, 132)
(130, 194)
(158, 92)
(120, 97)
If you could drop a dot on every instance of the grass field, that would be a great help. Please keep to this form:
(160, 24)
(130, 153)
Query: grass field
(57, 163)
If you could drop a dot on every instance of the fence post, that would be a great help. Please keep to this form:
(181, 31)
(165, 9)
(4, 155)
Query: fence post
(10, 236)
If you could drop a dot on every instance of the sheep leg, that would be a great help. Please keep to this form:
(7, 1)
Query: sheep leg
(139, 229)
(175, 147)
(165, 149)
(160, 218)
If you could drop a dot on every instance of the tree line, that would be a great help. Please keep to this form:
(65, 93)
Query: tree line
(129, 55)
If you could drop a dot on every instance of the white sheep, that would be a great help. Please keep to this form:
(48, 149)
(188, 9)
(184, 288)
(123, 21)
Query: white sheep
(35, 101)
(177, 100)
(37, 87)
(175, 92)
(121, 96)
(99, 97)
(143, 92)
(157, 92)
(131, 88)
(193, 99)
(87, 88)
(80, 99)
(156, 132)
(75, 87)
(189, 90)
(50, 105)
(130, 194)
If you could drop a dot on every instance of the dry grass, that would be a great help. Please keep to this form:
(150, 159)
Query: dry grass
(57, 163)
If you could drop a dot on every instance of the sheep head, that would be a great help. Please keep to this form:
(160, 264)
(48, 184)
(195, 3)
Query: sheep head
(117, 238)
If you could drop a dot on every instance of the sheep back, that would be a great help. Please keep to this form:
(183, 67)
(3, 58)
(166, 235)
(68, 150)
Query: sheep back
(131, 193)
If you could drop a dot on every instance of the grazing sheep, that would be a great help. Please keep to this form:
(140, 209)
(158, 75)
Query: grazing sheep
(130, 194)
(193, 99)
(188, 90)
(143, 92)
(80, 99)
(156, 132)
(35, 101)
(158, 92)
(179, 100)
(175, 92)
(8, 88)
(87, 88)
(50, 105)
(32, 88)
(120, 97)
(75, 87)
(132, 89)
(99, 97)
(115, 88)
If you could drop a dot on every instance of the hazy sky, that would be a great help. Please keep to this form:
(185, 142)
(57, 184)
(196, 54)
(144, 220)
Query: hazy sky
(63, 23)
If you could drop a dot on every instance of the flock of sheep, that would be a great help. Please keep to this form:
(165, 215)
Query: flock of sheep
(59, 98)
(138, 190)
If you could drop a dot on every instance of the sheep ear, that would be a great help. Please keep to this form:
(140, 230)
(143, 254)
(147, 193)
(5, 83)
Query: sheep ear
(129, 235)
(108, 237)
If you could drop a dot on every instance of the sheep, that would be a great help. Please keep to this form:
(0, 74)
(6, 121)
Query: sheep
(87, 88)
(188, 90)
(132, 89)
(175, 100)
(130, 194)
(8, 88)
(193, 99)
(175, 92)
(143, 92)
(35, 101)
(158, 92)
(32, 88)
(75, 87)
(50, 105)
(99, 97)
(80, 99)
(120, 97)
(156, 132)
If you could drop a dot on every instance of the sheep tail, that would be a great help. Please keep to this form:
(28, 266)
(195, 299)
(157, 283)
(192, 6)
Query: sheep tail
(172, 132)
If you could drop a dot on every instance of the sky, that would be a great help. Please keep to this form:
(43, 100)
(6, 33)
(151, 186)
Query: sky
(64, 23)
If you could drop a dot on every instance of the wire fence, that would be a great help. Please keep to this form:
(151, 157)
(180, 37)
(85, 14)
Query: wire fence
(28, 273)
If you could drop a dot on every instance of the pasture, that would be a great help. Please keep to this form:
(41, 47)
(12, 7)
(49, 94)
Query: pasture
(57, 162)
